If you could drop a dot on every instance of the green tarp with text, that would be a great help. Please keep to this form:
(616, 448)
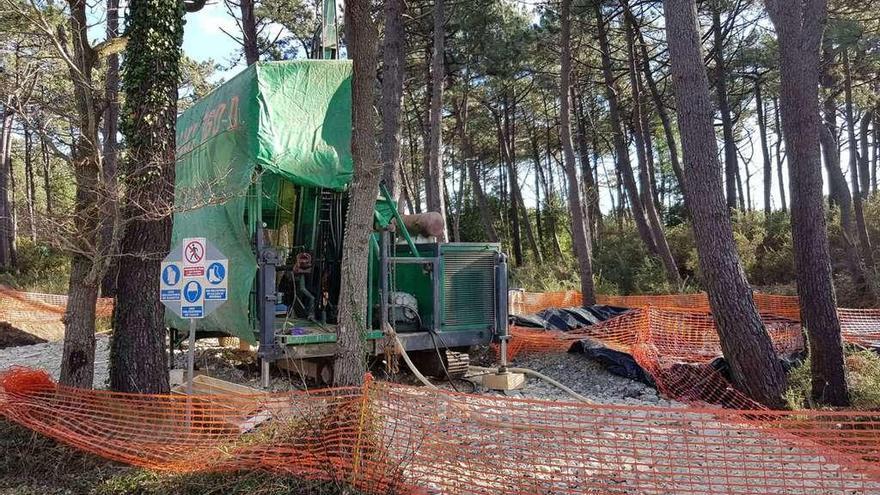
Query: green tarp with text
(286, 121)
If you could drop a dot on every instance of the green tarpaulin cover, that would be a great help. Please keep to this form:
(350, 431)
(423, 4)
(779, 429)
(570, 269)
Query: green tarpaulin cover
(291, 122)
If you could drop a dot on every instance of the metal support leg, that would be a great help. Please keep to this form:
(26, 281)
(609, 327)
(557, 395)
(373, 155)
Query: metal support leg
(191, 357)
(267, 297)
(502, 330)
(384, 296)
(264, 374)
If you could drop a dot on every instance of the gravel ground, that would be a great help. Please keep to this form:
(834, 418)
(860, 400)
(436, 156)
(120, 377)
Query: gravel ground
(47, 356)
(587, 378)
(582, 375)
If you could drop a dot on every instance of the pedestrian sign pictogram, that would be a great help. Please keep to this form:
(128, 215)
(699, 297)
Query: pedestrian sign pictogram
(194, 251)
(194, 279)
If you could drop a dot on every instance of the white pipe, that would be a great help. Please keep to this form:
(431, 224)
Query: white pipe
(524, 371)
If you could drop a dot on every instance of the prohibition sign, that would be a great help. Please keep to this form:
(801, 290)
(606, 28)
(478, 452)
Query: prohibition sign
(194, 252)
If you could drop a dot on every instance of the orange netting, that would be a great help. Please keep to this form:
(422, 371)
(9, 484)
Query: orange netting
(388, 438)
(674, 339)
(39, 315)
(523, 303)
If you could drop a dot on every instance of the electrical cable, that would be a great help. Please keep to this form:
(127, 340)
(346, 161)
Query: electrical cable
(524, 371)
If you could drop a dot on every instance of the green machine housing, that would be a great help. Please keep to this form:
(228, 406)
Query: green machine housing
(263, 167)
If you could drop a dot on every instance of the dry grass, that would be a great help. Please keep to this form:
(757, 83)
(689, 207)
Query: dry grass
(31, 464)
(863, 377)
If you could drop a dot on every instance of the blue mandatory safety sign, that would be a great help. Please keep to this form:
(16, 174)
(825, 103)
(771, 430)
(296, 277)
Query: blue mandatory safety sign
(192, 311)
(192, 292)
(171, 275)
(212, 294)
(216, 273)
(169, 295)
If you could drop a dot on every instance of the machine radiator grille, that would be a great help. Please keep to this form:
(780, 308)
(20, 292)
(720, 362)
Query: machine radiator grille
(469, 288)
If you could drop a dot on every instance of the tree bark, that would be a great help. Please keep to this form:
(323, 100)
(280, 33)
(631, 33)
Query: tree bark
(579, 228)
(865, 153)
(754, 365)
(47, 172)
(77, 363)
(867, 254)
(839, 192)
(621, 149)
(765, 149)
(876, 161)
(645, 174)
(5, 210)
(249, 32)
(519, 213)
(393, 66)
(730, 162)
(138, 361)
(591, 191)
(29, 187)
(362, 37)
(659, 106)
(111, 157)
(485, 210)
(781, 174)
(799, 28)
(435, 175)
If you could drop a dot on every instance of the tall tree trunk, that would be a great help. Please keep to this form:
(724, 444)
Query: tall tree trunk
(866, 175)
(765, 149)
(730, 163)
(621, 149)
(485, 211)
(659, 105)
(77, 362)
(547, 177)
(47, 173)
(111, 157)
(855, 166)
(435, 175)
(138, 362)
(502, 124)
(249, 32)
(781, 174)
(362, 37)
(5, 210)
(876, 161)
(839, 193)
(591, 190)
(538, 215)
(517, 204)
(799, 29)
(393, 65)
(579, 228)
(30, 189)
(747, 346)
(645, 179)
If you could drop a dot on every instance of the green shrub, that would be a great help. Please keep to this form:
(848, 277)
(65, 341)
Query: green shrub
(863, 378)
(39, 268)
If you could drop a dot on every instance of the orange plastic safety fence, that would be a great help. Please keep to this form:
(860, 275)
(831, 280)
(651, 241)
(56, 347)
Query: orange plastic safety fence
(40, 314)
(675, 347)
(858, 326)
(387, 438)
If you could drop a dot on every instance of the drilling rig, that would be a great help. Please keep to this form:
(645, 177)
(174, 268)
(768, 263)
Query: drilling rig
(263, 168)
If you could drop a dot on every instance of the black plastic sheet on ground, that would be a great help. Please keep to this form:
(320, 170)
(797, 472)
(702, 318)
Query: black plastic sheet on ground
(568, 319)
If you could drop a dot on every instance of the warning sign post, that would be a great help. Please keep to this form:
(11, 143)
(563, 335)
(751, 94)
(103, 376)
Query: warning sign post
(193, 284)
